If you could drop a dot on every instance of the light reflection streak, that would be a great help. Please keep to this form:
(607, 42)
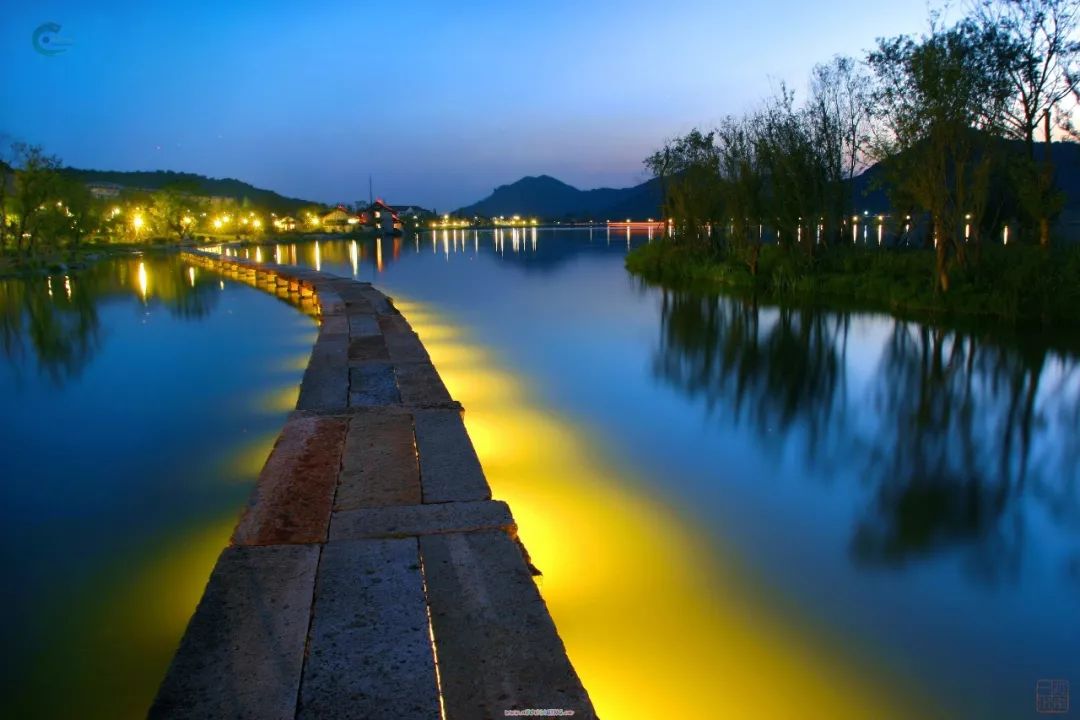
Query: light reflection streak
(658, 622)
(144, 282)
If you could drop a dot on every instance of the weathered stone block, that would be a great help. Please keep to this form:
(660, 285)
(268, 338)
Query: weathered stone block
(379, 465)
(405, 347)
(334, 324)
(294, 495)
(325, 385)
(370, 652)
(361, 325)
(242, 654)
(449, 468)
(371, 347)
(497, 645)
(420, 384)
(412, 520)
(372, 385)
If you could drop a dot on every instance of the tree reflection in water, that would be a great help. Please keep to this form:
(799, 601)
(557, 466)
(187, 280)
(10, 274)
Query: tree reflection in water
(948, 430)
(54, 320)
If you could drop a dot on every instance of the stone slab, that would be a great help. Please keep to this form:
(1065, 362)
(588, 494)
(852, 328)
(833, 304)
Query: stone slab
(365, 348)
(325, 386)
(373, 384)
(405, 347)
(361, 324)
(497, 646)
(370, 653)
(294, 495)
(449, 468)
(379, 466)
(243, 652)
(333, 324)
(394, 324)
(379, 302)
(414, 520)
(420, 384)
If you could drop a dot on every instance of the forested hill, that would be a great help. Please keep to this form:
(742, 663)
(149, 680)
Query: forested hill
(213, 187)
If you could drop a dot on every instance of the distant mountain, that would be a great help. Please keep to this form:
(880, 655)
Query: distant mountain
(552, 199)
(213, 187)
(870, 194)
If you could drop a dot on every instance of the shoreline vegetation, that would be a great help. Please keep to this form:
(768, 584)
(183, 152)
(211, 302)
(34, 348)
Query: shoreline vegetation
(927, 178)
(1027, 288)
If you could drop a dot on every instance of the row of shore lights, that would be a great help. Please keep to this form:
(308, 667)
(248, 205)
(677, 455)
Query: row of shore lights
(907, 227)
(218, 222)
(856, 219)
(513, 221)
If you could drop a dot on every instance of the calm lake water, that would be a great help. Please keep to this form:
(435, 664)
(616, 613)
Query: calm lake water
(139, 401)
(739, 512)
(755, 512)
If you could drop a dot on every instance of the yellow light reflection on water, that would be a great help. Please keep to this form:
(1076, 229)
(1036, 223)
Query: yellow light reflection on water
(144, 282)
(658, 621)
(247, 461)
(281, 400)
(133, 613)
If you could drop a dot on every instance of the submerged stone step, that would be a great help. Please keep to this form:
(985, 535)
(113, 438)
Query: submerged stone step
(242, 653)
(498, 649)
(412, 520)
(370, 653)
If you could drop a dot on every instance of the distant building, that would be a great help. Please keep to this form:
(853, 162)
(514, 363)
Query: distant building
(413, 211)
(285, 224)
(104, 191)
(339, 220)
(381, 216)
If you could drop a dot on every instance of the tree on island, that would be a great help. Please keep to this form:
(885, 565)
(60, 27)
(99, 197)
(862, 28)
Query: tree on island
(940, 100)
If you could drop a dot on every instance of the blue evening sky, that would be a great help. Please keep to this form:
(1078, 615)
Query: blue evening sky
(439, 102)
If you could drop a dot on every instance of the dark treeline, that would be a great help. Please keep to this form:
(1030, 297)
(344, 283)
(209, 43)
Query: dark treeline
(953, 119)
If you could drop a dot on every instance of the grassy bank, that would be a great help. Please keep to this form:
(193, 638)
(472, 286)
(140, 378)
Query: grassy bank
(1017, 285)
